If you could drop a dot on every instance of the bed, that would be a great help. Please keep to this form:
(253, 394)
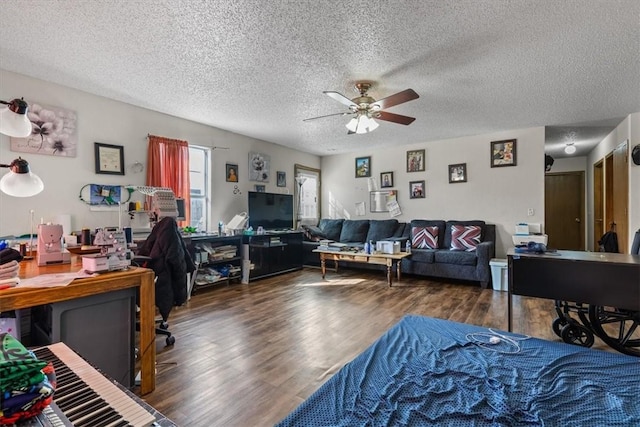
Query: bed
(432, 372)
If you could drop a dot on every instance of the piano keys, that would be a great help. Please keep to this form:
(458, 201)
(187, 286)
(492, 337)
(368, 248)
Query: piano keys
(86, 397)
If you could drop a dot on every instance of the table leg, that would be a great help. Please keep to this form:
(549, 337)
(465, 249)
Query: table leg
(389, 271)
(147, 334)
(323, 265)
(398, 268)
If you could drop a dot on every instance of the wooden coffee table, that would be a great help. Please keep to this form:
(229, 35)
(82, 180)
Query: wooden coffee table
(363, 258)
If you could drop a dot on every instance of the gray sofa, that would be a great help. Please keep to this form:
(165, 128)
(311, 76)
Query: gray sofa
(441, 262)
(452, 264)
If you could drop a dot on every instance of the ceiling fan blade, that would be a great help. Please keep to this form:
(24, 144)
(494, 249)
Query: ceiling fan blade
(346, 113)
(398, 98)
(395, 118)
(340, 98)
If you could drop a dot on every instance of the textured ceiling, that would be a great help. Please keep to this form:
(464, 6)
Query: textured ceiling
(258, 68)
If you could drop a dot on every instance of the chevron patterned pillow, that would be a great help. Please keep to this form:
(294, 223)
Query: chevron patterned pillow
(424, 237)
(465, 237)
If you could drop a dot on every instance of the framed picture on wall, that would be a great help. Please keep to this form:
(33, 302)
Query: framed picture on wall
(281, 180)
(386, 179)
(416, 189)
(458, 173)
(415, 160)
(232, 172)
(109, 158)
(260, 188)
(363, 167)
(503, 153)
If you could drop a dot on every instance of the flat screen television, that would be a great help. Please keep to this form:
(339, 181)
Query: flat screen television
(270, 211)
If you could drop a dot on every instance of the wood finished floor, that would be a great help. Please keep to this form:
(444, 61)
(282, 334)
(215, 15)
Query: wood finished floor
(247, 355)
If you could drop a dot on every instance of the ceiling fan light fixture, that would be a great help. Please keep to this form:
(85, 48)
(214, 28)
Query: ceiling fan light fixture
(570, 148)
(352, 125)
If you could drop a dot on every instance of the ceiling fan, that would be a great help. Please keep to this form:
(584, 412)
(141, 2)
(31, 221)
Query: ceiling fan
(364, 109)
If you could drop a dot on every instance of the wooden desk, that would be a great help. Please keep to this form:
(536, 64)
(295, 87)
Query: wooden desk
(17, 298)
(361, 257)
(595, 278)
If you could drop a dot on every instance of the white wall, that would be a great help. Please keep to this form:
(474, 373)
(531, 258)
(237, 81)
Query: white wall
(111, 122)
(569, 164)
(628, 129)
(501, 196)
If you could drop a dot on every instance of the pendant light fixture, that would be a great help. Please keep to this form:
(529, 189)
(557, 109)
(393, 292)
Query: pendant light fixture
(20, 181)
(13, 119)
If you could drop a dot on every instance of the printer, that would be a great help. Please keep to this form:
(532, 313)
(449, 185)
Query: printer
(525, 233)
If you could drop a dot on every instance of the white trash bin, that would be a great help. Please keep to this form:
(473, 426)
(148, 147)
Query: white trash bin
(499, 274)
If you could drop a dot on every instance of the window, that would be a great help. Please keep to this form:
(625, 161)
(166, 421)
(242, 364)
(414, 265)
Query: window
(199, 167)
(307, 195)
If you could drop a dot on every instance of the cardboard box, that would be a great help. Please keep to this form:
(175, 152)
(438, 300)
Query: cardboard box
(387, 247)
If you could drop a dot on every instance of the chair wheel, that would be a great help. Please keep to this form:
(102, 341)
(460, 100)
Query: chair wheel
(573, 333)
(170, 341)
(557, 325)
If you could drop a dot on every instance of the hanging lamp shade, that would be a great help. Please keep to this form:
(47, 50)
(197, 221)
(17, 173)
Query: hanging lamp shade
(20, 181)
(13, 119)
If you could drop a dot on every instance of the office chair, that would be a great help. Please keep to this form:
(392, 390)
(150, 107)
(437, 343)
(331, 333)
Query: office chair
(165, 252)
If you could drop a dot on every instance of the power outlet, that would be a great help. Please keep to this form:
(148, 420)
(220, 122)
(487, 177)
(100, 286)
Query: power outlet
(530, 212)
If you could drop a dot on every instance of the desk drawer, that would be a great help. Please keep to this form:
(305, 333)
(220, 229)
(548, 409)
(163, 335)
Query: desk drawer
(357, 258)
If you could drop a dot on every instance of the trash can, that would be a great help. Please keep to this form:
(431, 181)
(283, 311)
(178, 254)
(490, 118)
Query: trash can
(499, 274)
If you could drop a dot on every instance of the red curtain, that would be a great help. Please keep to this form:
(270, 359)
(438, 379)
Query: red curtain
(168, 166)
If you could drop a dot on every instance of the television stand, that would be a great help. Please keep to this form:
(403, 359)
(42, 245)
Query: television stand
(272, 253)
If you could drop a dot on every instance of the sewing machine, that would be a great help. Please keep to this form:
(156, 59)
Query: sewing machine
(50, 249)
(114, 253)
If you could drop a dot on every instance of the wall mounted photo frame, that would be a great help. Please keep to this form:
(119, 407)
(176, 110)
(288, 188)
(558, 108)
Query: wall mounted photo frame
(416, 189)
(281, 179)
(415, 160)
(363, 167)
(259, 165)
(457, 173)
(231, 172)
(109, 158)
(260, 188)
(386, 179)
(53, 132)
(503, 153)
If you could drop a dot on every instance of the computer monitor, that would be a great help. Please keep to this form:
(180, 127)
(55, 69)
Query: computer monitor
(180, 204)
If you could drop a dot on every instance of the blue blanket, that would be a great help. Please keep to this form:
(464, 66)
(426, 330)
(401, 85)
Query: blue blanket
(432, 372)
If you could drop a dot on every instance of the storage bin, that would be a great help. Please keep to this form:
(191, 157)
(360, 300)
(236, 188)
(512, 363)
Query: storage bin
(499, 274)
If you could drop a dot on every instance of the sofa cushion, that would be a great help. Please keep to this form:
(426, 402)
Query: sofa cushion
(465, 237)
(354, 230)
(331, 228)
(430, 223)
(423, 255)
(312, 233)
(455, 257)
(400, 229)
(380, 229)
(446, 242)
(424, 237)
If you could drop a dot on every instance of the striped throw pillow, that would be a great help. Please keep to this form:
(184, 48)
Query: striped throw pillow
(424, 237)
(465, 237)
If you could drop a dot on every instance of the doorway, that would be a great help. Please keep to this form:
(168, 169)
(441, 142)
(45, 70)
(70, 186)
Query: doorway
(564, 210)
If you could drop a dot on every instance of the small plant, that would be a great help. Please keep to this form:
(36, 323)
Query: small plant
(189, 230)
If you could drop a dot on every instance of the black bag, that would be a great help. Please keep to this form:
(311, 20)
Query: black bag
(609, 242)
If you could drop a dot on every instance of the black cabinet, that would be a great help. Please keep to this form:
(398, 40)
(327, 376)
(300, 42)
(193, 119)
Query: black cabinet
(273, 253)
(218, 258)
